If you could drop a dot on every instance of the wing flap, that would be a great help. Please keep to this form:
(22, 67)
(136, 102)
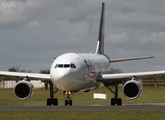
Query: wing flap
(20, 74)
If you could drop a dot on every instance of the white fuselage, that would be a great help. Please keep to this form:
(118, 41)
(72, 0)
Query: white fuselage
(78, 72)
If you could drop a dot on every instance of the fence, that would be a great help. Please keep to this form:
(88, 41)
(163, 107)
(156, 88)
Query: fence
(11, 84)
(153, 83)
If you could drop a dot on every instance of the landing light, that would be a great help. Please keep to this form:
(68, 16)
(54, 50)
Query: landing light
(68, 93)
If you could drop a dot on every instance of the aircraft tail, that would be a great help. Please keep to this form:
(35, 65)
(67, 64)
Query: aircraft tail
(100, 43)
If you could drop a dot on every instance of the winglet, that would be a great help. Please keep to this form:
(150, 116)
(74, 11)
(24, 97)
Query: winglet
(100, 43)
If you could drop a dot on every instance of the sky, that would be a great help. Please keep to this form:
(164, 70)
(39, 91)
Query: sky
(32, 32)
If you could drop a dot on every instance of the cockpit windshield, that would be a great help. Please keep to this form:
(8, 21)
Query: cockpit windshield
(65, 65)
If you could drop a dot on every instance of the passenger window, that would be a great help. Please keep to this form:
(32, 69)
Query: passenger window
(60, 65)
(73, 66)
(66, 65)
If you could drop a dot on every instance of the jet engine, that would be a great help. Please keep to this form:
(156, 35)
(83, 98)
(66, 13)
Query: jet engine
(132, 89)
(23, 90)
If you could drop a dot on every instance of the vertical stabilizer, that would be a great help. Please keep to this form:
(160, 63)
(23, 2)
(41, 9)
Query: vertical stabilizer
(100, 43)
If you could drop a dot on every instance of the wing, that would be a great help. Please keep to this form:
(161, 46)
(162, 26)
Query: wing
(130, 59)
(20, 74)
(110, 77)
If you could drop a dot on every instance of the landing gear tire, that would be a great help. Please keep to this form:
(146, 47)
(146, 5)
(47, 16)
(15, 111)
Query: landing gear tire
(119, 101)
(68, 102)
(53, 101)
(49, 102)
(115, 101)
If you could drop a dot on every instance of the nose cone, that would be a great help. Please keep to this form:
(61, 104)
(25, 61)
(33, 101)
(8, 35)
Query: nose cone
(61, 74)
(63, 79)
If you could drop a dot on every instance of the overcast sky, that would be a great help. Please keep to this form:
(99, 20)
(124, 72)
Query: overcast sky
(32, 32)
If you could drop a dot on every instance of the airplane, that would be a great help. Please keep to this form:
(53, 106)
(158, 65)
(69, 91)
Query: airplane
(83, 72)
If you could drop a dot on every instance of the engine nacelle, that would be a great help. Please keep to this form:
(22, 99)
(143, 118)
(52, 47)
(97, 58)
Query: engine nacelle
(132, 89)
(23, 90)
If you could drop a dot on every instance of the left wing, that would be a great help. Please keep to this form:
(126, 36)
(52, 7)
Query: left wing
(21, 74)
(130, 59)
(118, 76)
(132, 88)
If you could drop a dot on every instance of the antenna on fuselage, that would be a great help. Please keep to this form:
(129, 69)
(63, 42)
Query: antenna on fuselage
(100, 43)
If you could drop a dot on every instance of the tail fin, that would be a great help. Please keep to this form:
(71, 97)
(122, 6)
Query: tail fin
(100, 43)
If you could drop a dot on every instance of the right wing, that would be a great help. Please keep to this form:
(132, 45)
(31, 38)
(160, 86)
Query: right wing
(21, 74)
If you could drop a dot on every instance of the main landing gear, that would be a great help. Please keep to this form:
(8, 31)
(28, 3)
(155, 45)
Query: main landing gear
(52, 100)
(115, 100)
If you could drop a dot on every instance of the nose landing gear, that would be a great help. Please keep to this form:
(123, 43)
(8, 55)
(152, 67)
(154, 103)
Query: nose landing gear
(68, 101)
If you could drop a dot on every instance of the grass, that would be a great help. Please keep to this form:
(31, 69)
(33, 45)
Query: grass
(100, 115)
(150, 95)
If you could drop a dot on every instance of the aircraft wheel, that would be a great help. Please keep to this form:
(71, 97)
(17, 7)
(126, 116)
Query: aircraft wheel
(66, 102)
(49, 102)
(119, 101)
(52, 101)
(113, 101)
(70, 102)
(55, 101)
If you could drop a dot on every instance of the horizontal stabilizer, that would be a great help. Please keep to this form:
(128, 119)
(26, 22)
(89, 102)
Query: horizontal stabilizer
(131, 59)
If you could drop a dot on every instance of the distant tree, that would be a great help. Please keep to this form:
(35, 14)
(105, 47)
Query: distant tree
(18, 69)
(45, 72)
(114, 70)
(14, 69)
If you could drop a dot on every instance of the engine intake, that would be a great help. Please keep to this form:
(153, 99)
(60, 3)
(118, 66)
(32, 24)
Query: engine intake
(23, 90)
(132, 89)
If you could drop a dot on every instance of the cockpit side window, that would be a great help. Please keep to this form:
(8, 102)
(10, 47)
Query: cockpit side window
(73, 66)
(56, 66)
